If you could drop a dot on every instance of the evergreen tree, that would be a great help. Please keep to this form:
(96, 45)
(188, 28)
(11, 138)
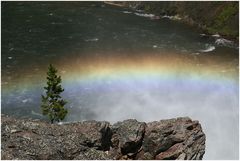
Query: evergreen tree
(52, 103)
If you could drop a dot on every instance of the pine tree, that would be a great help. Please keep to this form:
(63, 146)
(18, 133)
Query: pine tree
(52, 103)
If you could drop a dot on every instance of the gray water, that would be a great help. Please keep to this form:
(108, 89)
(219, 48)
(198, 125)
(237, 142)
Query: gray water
(76, 36)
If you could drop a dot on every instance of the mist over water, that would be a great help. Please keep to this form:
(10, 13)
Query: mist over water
(214, 104)
(215, 111)
(116, 65)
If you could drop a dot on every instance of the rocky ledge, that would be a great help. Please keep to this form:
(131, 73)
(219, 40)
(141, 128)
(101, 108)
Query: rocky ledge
(179, 138)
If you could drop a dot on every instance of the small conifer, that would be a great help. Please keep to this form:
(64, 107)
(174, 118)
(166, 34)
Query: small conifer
(52, 103)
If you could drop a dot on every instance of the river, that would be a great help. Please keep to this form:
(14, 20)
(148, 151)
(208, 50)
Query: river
(117, 64)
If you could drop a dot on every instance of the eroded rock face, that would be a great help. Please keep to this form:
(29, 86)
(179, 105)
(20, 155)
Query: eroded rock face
(179, 138)
(174, 139)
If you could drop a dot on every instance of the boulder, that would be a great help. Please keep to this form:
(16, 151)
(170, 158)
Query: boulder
(127, 137)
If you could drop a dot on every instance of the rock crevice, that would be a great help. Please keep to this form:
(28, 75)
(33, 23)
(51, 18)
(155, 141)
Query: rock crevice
(179, 138)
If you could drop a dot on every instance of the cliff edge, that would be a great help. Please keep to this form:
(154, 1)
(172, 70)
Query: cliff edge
(179, 138)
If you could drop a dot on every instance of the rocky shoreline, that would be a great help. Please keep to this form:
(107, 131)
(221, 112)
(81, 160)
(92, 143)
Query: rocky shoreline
(211, 17)
(179, 138)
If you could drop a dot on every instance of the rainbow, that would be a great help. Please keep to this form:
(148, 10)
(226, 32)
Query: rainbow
(142, 71)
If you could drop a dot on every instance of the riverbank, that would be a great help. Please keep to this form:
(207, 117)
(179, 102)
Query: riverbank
(211, 17)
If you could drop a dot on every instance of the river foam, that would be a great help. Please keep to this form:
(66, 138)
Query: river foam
(225, 42)
(209, 48)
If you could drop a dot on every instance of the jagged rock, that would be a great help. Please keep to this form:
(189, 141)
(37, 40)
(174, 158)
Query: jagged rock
(179, 138)
(127, 137)
(168, 139)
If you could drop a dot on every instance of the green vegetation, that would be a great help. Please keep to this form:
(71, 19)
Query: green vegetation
(223, 22)
(226, 13)
(52, 103)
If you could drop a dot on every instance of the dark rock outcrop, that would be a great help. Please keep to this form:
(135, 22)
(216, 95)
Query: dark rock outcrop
(179, 138)
(127, 138)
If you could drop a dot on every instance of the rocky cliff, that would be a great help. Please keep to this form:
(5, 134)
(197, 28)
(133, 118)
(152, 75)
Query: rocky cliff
(210, 16)
(179, 138)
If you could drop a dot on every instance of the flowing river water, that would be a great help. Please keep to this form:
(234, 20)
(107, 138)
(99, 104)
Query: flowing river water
(117, 64)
